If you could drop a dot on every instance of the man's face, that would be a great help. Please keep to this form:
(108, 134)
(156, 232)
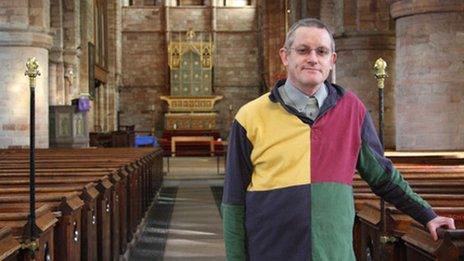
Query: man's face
(309, 59)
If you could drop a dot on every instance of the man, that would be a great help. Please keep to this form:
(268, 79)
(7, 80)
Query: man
(292, 156)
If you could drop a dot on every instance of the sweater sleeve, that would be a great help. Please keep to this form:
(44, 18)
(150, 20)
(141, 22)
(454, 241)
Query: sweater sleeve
(238, 176)
(385, 180)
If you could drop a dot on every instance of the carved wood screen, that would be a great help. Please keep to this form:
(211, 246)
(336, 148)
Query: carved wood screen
(190, 62)
(190, 79)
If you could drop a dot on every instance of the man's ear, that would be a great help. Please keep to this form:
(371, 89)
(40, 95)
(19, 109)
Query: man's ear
(333, 59)
(283, 56)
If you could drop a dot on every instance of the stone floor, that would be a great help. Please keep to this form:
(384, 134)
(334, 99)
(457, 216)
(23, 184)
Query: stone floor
(184, 223)
(194, 168)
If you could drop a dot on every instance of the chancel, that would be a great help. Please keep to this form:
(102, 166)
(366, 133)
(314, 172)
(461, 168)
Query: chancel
(127, 148)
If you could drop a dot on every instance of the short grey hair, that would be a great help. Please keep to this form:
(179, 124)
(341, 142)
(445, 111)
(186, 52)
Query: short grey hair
(306, 22)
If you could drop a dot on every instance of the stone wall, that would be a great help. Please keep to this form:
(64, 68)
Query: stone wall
(363, 33)
(429, 80)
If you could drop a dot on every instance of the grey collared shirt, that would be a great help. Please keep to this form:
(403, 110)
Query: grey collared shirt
(295, 98)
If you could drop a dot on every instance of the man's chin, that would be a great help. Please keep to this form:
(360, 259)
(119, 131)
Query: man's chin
(313, 82)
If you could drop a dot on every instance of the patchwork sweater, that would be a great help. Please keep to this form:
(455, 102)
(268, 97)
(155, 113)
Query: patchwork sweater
(288, 187)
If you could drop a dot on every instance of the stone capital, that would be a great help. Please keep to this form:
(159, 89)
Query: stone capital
(402, 8)
(56, 55)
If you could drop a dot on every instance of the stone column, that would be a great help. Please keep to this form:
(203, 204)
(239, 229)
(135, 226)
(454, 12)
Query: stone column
(138, 2)
(71, 50)
(85, 10)
(114, 58)
(273, 28)
(217, 3)
(363, 33)
(56, 69)
(24, 33)
(429, 79)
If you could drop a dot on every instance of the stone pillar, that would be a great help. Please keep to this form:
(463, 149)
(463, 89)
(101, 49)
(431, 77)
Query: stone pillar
(71, 50)
(138, 2)
(273, 28)
(363, 33)
(85, 10)
(217, 3)
(170, 3)
(114, 58)
(24, 33)
(56, 72)
(429, 79)
(297, 9)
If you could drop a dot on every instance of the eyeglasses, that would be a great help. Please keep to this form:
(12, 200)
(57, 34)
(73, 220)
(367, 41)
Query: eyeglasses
(304, 51)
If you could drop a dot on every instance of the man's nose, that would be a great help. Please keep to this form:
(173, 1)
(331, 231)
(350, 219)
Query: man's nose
(311, 57)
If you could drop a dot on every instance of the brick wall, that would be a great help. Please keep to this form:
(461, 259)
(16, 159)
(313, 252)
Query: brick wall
(143, 58)
(236, 61)
(141, 19)
(235, 19)
(183, 18)
(145, 65)
(135, 106)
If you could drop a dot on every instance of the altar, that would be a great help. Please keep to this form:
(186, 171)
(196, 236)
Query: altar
(191, 100)
(190, 126)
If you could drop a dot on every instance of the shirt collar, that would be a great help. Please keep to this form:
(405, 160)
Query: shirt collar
(298, 99)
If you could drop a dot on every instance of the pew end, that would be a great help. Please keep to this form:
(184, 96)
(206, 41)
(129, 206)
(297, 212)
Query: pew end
(421, 246)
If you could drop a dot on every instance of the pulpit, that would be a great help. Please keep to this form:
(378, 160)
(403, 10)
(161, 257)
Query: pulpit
(67, 127)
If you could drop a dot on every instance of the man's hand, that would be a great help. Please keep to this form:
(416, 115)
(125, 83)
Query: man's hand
(439, 222)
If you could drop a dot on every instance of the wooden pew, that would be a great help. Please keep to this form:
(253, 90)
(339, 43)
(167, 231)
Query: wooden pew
(89, 237)
(103, 206)
(127, 188)
(138, 191)
(67, 207)
(117, 202)
(450, 200)
(142, 177)
(420, 246)
(441, 186)
(429, 177)
(398, 224)
(9, 246)
(16, 219)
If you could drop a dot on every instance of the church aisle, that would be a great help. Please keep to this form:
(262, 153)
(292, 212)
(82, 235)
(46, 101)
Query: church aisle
(195, 232)
(152, 239)
(184, 224)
